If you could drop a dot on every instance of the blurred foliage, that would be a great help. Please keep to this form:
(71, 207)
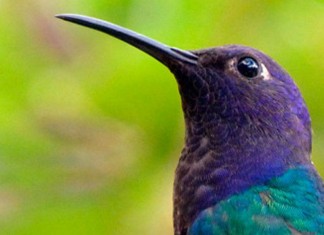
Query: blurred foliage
(91, 129)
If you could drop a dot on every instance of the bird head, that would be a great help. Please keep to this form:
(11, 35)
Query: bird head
(234, 98)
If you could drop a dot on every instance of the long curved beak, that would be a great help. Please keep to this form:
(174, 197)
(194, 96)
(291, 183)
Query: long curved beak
(159, 51)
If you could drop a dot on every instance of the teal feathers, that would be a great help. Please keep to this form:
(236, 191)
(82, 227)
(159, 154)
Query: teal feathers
(290, 204)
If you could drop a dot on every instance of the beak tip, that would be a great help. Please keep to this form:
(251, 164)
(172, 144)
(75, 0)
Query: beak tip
(64, 16)
(60, 16)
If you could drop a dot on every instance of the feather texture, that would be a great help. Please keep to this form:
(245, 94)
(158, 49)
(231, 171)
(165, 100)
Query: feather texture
(289, 204)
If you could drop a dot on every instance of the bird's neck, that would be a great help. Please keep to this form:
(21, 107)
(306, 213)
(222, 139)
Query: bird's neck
(222, 158)
(245, 148)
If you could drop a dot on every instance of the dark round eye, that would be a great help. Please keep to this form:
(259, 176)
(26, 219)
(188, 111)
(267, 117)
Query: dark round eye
(248, 67)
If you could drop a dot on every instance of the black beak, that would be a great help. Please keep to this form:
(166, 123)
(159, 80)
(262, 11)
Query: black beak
(159, 51)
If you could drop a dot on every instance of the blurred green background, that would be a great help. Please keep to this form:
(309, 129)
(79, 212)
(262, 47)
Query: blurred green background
(91, 129)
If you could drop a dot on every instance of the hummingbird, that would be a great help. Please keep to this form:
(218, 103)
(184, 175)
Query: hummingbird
(245, 167)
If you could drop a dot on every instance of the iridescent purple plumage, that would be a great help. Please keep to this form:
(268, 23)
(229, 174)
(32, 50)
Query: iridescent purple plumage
(245, 167)
(240, 132)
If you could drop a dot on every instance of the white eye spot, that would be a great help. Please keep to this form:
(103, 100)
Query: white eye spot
(265, 73)
(231, 63)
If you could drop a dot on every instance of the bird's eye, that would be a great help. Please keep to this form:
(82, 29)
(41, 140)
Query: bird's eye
(248, 67)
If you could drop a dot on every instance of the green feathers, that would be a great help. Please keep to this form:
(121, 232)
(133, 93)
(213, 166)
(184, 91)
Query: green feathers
(290, 204)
